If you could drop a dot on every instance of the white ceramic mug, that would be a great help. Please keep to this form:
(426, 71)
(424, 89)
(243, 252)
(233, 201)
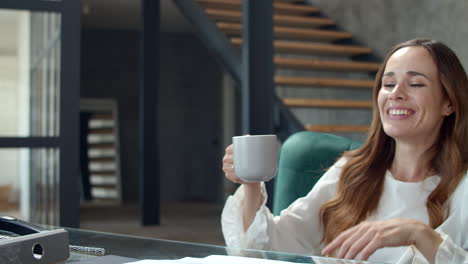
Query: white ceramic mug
(255, 157)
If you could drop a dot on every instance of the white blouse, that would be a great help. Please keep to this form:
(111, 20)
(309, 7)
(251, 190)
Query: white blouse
(297, 229)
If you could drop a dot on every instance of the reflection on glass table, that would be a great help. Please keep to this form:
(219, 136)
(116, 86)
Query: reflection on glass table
(140, 248)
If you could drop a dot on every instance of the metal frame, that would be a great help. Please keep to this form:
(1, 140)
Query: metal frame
(29, 142)
(149, 121)
(67, 141)
(31, 5)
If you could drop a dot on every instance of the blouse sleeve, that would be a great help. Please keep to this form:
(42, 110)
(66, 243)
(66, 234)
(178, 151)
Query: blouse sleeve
(450, 252)
(296, 230)
(454, 230)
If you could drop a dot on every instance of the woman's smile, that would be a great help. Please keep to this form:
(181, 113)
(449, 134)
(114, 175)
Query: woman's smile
(399, 113)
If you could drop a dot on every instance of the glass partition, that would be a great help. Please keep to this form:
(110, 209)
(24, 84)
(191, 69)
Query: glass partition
(30, 53)
(30, 59)
(30, 184)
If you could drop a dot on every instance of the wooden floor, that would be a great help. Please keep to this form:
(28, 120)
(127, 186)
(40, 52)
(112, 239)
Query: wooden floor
(196, 222)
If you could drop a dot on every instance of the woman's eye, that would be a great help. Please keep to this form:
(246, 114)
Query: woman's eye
(416, 85)
(388, 85)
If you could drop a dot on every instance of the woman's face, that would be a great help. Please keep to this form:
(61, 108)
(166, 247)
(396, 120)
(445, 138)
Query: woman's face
(411, 102)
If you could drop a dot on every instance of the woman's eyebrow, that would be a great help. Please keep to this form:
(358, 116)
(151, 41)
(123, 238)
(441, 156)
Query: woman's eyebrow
(415, 73)
(388, 74)
(412, 73)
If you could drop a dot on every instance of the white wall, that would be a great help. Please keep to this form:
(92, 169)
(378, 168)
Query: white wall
(14, 109)
(8, 118)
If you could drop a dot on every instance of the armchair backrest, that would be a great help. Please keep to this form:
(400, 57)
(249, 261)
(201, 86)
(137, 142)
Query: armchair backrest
(303, 159)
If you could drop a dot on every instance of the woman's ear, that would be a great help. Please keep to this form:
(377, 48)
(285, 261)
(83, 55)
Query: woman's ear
(448, 109)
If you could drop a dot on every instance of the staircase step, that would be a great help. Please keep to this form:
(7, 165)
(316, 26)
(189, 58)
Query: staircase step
(101, 130)
(313, 48)
(290, 32)
(104, 145)
(300, 102)
(279, 8)
(279, 20)
(102, 116)
(337, 128)
(290, 1)
(102, 159)
(313, 64)
(104, 185)
(103, 173)
(322, 82)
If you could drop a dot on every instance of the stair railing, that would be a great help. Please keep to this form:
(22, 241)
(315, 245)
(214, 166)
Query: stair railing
(285, 123)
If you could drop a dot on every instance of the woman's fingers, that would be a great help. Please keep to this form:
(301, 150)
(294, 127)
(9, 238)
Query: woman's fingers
(229, 149)
(370, 248)
(357, 243)
(228, 165)
(336, 243)
(348, 247)
(228, 162)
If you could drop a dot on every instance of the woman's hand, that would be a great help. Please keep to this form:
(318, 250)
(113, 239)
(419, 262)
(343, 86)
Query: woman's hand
(228, 167)
(365, 238)
(253, 198)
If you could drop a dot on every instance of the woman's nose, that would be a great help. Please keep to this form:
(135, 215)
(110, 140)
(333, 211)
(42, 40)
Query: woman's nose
(398, 92)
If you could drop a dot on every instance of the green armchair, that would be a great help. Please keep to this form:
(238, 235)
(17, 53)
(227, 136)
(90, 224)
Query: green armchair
(304, 158)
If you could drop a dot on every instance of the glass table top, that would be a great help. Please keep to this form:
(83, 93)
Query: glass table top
(148, 248)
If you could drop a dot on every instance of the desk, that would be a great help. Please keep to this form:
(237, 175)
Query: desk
(147, 248)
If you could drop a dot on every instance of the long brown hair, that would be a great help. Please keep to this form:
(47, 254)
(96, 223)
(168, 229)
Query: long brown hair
(361, 183)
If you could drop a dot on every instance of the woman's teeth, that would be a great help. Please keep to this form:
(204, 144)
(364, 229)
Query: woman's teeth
(399, 112)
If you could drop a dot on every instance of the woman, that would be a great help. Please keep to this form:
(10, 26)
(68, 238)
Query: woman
(398, 198)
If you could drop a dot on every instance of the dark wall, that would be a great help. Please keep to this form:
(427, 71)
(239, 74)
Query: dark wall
(109, 69)
(190, 109)
(191, 112)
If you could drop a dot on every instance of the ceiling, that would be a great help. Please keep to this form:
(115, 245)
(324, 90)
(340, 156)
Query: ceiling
(103, 14)
(126, 14)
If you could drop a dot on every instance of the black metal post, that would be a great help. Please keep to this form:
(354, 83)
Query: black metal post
(149, 123)
(257, 72)
(69, 114)
(84, 157)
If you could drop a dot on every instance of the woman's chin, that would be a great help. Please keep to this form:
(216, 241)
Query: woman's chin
(398, 133)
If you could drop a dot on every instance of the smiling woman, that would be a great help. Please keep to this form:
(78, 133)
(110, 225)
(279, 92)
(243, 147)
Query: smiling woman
(412, 103)
(398, 198)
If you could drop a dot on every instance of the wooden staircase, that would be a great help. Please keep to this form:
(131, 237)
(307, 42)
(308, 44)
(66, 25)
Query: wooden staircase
(312, 70)
(102, 150)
